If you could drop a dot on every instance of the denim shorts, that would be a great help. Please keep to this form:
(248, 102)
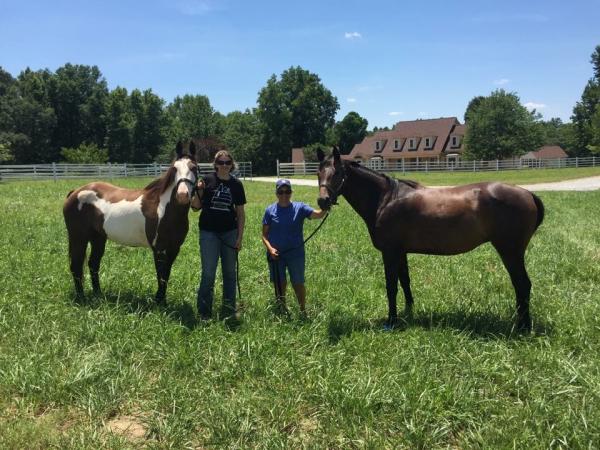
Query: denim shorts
(294, 265)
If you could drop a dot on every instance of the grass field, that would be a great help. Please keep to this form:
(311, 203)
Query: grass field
(529, 176)
(74, 374)
(525, 176)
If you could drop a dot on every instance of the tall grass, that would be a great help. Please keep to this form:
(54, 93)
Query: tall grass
(455, 376)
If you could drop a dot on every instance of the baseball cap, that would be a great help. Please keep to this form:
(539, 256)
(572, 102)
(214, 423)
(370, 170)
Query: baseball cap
(283, 182)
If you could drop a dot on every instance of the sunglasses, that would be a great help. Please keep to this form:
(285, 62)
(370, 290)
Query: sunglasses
(284, 192)
(220, 162)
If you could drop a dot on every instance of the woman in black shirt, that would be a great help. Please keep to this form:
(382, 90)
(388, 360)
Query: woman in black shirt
(222, 198)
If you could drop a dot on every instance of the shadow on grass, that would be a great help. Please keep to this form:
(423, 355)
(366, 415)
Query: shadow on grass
(139, 303)
(479, 325)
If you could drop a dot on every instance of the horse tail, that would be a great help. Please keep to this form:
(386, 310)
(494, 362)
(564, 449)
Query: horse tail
(540, 210)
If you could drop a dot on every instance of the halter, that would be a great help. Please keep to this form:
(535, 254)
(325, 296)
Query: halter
(333, 194)
(187, 180)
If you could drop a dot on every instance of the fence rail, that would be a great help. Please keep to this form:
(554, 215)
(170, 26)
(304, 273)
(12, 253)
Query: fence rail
(308, 168)
(56, 171)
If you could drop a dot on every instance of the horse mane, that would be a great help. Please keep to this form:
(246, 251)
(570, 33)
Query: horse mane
(392, 182)
(161, 184)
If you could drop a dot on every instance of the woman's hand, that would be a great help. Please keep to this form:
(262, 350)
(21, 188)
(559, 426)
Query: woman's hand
(273, 253)
(238, 245)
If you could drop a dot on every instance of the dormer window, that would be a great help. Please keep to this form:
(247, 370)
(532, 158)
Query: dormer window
(428, 143)
(397, 145)
(455, 142)
(412, 144)
(377, 146)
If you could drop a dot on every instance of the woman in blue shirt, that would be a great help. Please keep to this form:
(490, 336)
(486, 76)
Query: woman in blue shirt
(283, 237)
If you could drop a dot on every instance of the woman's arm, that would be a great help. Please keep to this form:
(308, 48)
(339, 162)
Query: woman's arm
(197, 198)
(318, 214)
(265, 238)
(241, 220)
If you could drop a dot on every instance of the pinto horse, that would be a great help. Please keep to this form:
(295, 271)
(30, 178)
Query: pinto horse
(154, 217)
(405, 217)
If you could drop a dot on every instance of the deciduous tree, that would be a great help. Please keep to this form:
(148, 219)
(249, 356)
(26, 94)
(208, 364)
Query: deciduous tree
(295, 111)
(500, 127)
(351, 130)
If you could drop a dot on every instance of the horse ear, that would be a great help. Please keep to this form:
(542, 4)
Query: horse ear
(192, 150)
(336, 154)
(320, 155)
(179, 149)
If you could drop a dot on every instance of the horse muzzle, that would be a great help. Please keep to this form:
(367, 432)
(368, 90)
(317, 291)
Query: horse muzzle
(324, 203)
(184, 193)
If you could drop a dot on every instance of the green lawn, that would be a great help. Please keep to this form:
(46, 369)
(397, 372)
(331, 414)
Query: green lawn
(527, 176)
(455, 376)
(524, 176)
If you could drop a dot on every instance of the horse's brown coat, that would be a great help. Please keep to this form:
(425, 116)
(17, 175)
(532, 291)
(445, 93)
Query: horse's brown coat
(404, 217)
(156, 217)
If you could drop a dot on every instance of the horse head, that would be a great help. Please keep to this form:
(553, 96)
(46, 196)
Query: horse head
(331, 178)
(186, 173)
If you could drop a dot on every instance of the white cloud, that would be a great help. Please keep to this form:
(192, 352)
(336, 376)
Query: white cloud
(351, 100)
(353, 35)
(533, 105)
(501, 81)
(395, 113)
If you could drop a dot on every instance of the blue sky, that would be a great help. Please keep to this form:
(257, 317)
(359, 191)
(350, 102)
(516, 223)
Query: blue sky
(386, 60)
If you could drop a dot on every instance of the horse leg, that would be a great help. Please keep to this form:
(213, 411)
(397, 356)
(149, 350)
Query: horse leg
(405, 283)
(77, 249)
(98, 243)
(514, 261)
(163, 261)
(391, 265)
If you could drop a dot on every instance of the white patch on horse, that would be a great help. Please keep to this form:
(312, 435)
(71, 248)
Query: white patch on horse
(123, 221)
(161, 208)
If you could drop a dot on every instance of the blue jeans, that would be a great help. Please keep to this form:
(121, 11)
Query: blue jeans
(213, 245)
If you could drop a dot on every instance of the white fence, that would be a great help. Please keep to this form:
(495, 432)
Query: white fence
(308, 168)
(55, 171)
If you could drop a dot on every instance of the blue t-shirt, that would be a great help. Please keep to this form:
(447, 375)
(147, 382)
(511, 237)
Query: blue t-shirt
(286, 227)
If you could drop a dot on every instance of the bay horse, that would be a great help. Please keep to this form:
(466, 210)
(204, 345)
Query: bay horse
(404, 217)
(155, 217)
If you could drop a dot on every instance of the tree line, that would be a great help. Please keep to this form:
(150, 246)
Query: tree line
(71, 115)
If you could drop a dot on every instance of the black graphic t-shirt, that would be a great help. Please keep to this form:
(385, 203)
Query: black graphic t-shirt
(219, 202)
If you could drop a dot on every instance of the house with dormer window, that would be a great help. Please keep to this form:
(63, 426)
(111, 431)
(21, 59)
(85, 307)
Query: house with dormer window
(438, 140)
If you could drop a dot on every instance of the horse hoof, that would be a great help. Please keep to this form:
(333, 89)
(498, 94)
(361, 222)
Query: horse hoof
(388, 327)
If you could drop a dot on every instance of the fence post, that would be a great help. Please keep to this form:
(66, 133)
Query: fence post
(125, 168)
(303, 167)
(403, 171)
(577, 161)
(277, 165)
(109, 170)
(54, 171)
(497, 166)
(593, 161)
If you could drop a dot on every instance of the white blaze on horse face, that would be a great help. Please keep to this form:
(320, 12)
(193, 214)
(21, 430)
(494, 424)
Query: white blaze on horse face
(184, 173)
(123, 221)
(323, 192)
